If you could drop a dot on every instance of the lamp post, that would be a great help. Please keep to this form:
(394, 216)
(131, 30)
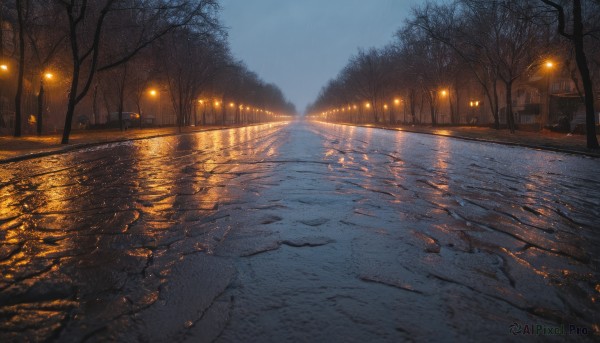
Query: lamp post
(156, 94)
(444, 94)
(397, 107)
(232, 107)
(545, 119)
(40, 98)
(203, 117)
(3, 71)
(474, 105)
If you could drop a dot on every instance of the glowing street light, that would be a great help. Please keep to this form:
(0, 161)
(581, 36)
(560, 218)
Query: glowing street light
(40, 98)
(397, 101)
(157, 107)
(3, 67)
(545, 117)
(444, 92)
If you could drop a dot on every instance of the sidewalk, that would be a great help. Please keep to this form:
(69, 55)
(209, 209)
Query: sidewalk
(30, 146)
(545, 140)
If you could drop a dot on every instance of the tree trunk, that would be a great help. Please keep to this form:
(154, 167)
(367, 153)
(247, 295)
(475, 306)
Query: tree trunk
(223, 113)
(195, 108)
(432, 108)
(413, 113)
(496, 108)
(71, 104)
(510, 120)
(139, 110)
(581, 59)
(19, 94)
(74, 79)
(180, 113)
(452, 111)
(121, 127)
(457, 107)
(95, 105)
(40, 108)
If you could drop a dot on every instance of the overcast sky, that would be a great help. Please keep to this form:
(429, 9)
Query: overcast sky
(300, 44)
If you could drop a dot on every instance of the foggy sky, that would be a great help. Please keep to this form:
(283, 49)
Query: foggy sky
(300, 44)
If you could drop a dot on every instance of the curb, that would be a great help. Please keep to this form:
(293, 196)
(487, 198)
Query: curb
(482, 140)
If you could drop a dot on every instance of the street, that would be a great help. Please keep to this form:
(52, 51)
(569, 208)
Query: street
(300, 231)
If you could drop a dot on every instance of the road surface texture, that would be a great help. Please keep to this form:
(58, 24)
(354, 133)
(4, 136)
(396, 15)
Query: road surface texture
(300, 232)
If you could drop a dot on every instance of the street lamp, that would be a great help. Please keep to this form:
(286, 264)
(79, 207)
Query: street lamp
(397, 105)
(549, 66)
(443, 93)
(157, 110)
(40, 110)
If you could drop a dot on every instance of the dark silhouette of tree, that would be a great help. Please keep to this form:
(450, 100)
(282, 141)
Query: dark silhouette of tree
(569, 15)
(21, 9)
(153, 20)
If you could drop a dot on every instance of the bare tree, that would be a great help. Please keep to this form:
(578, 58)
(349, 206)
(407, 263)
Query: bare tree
(427, 64)
(195, 61)
(154, 19)
(492, 38)
(572, 11)
(46, 43)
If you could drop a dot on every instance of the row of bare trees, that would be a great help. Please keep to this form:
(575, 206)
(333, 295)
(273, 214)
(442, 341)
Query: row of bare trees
(468, 49)
(109, 52)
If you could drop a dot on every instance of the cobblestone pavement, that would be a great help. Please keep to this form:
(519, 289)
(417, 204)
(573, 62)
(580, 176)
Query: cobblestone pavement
(300, 232)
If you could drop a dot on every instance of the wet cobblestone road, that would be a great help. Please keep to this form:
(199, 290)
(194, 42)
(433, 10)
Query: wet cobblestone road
(300, 232)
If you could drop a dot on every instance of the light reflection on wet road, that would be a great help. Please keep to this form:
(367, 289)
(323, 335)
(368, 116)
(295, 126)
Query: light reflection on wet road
(298, 232)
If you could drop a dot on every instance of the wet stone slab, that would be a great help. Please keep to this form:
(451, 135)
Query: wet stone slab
(298, 232)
